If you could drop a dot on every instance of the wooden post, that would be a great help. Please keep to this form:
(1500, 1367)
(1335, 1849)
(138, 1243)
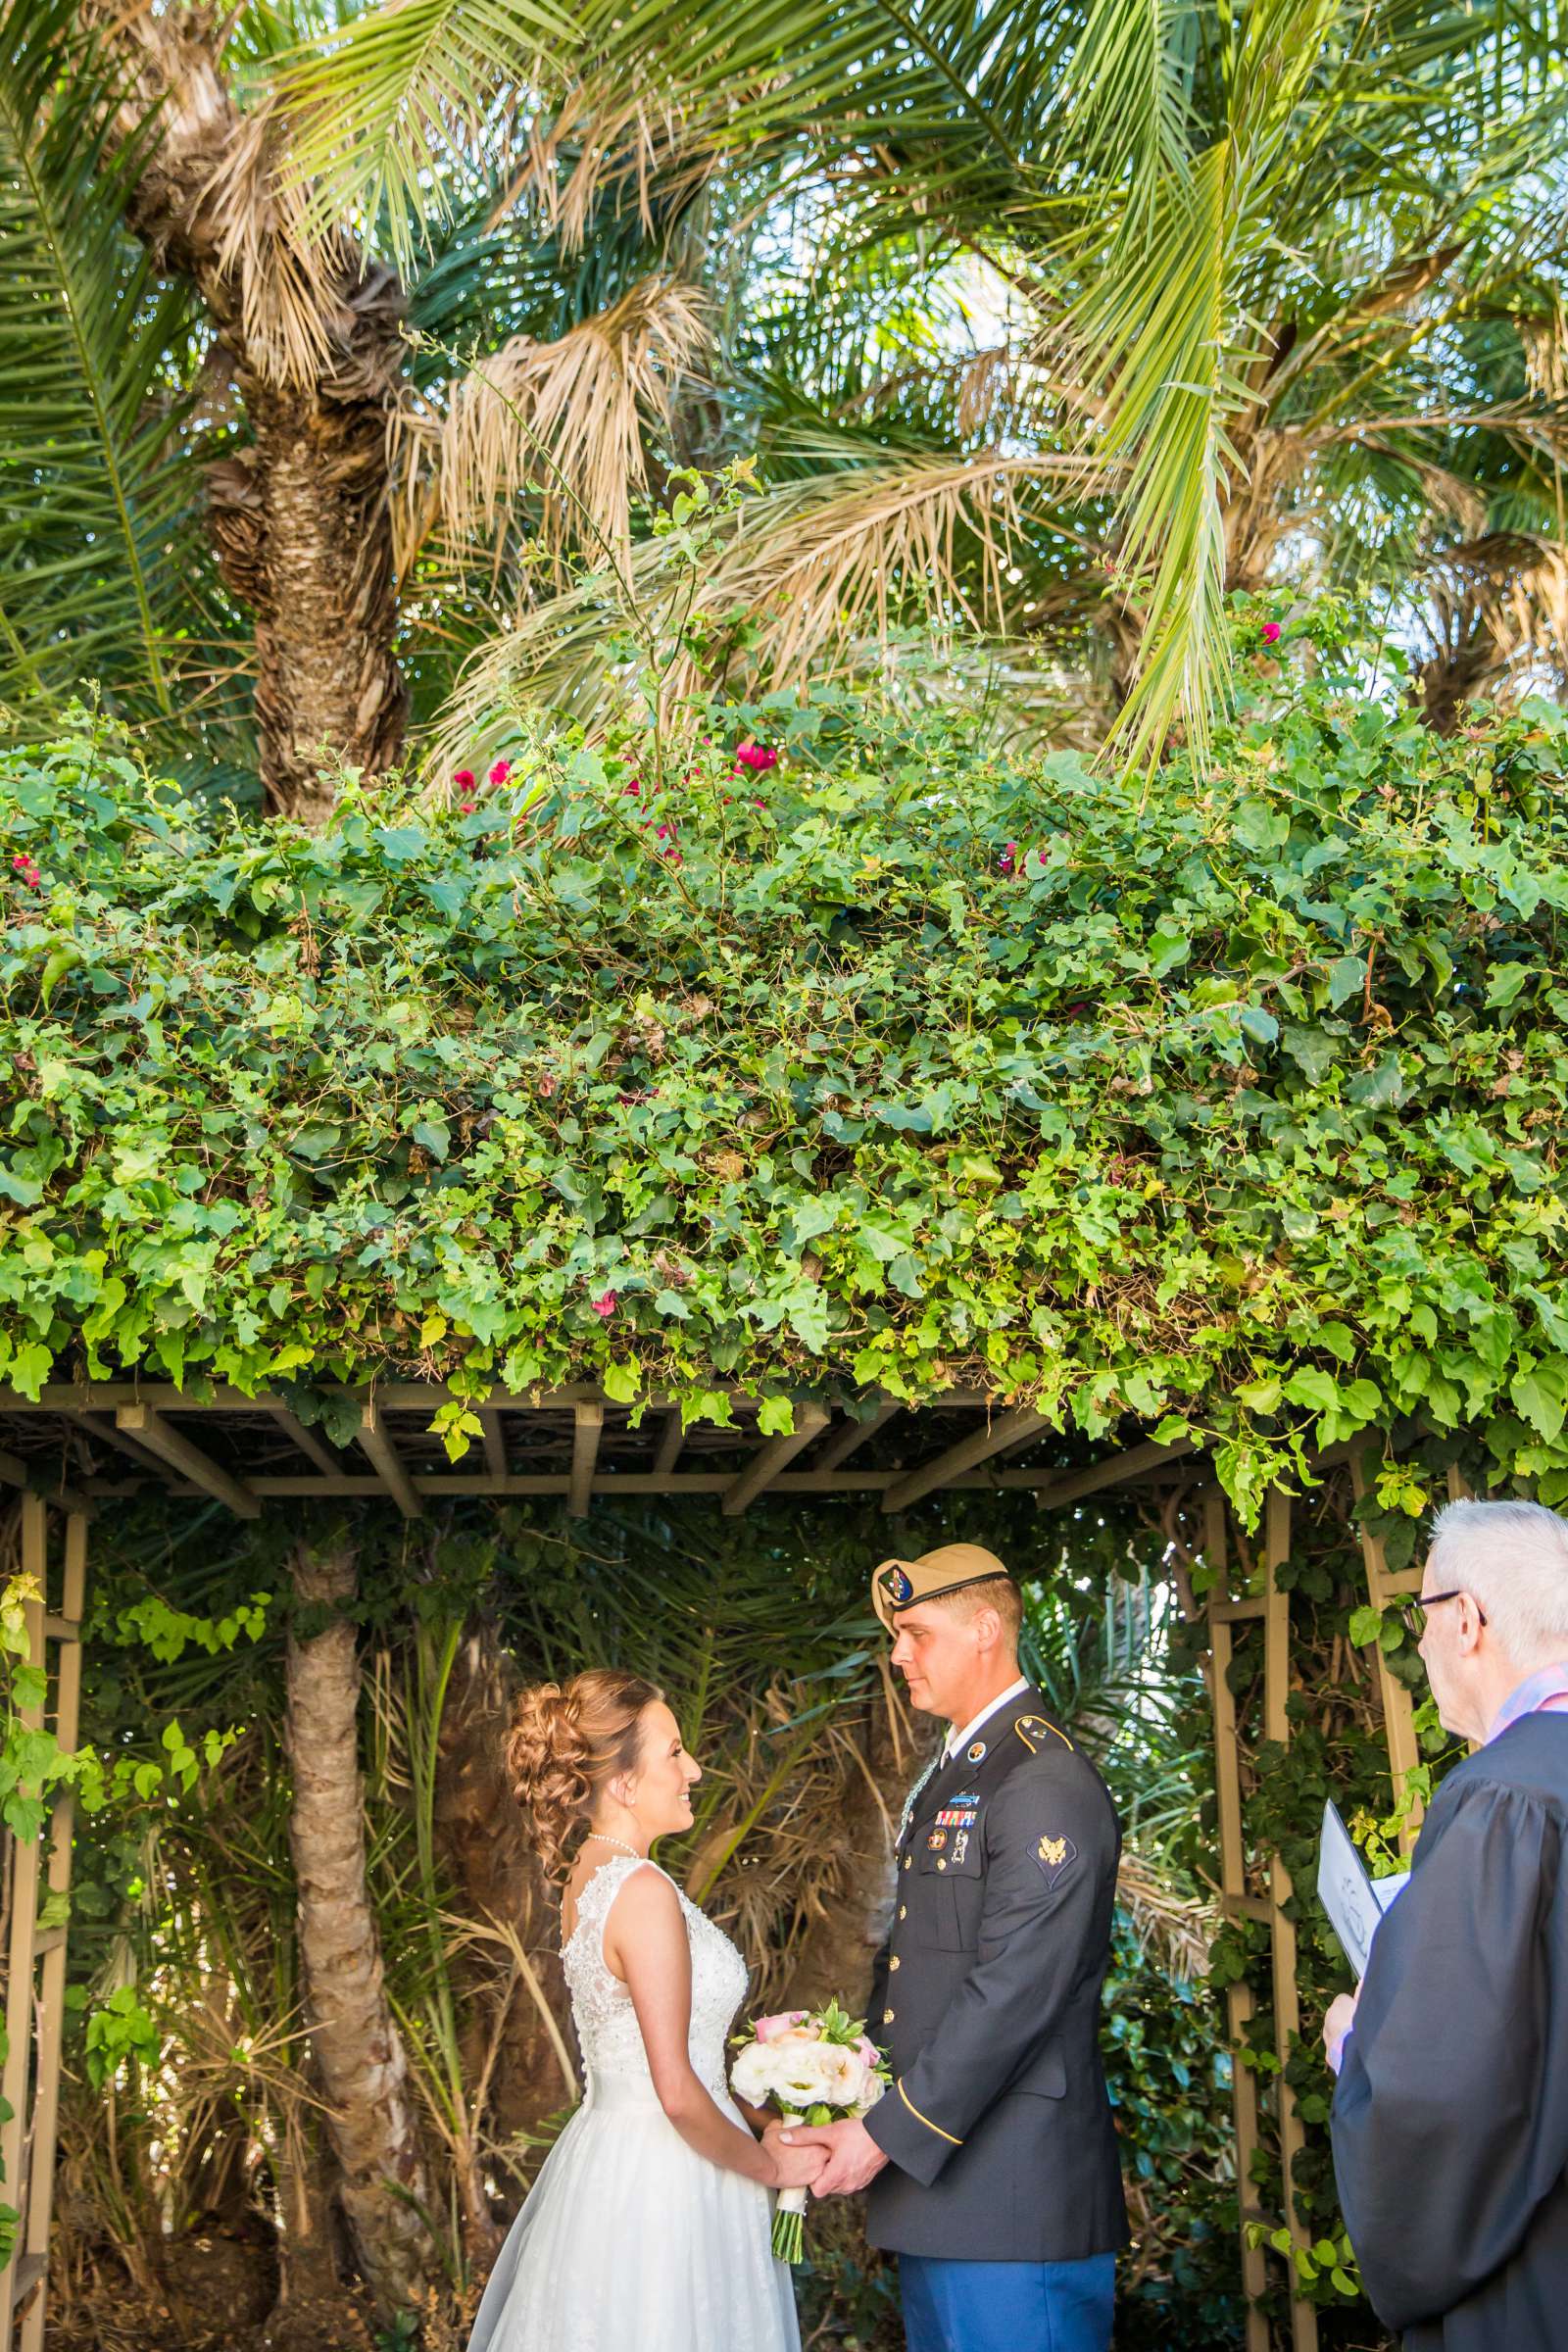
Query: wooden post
(35, 2010)
(1287, 2005)
(66, 1629)
(1233, 1889)
(1399, 1708)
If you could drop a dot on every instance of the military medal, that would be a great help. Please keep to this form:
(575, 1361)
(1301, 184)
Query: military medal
(937, 1839)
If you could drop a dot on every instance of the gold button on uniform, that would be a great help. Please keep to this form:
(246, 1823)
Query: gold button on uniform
(904, 1910)
(942, 1863)
(887, 2017)
(894, 1962)
(908, 1861)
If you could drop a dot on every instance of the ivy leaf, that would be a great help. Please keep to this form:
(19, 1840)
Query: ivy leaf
(1507, 979)
(1542, 1394)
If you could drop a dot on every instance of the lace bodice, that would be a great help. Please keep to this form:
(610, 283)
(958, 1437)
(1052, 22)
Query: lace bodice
(601, 2009)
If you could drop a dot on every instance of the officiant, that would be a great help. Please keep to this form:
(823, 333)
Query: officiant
(1450, 2117)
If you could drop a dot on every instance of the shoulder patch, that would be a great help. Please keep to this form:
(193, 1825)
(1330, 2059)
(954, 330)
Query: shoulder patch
(1055, 1856)
(1034, 1731)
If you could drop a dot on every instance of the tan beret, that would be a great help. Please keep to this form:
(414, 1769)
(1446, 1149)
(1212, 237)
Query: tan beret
(899, 1584)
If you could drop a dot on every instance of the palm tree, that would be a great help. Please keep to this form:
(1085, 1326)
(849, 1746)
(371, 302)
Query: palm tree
(1278, 282)
(1047, 327)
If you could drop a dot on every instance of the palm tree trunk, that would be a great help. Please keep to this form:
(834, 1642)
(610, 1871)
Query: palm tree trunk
(301, 516)
(371, 2120)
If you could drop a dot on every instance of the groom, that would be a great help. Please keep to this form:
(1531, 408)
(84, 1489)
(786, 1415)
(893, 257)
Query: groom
(991, 2161)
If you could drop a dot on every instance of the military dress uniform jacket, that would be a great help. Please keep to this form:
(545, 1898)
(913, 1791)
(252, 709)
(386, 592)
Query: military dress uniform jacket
(986, 1998)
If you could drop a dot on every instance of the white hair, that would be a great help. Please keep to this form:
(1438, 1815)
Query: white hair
(1514, 1557)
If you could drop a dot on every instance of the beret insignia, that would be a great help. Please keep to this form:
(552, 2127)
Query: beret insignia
(1054, 1855)
(900, 1585)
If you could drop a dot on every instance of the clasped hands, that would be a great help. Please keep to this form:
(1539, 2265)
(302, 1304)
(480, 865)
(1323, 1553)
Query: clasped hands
(849, 2156)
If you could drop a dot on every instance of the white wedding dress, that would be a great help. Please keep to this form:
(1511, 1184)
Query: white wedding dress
(629, 2242)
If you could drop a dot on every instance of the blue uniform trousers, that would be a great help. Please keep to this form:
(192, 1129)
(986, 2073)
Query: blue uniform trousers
(1007, 2306)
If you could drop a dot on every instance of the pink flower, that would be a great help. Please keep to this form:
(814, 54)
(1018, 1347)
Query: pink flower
(662, 833)
(463, 779)
(1006, 860)
(769, 2028)
(632, 788)
(756, 755)
(468, 807)
(867, 2052)
(501, 771)
(1271, 632)
(759, 804)
(603, 1307)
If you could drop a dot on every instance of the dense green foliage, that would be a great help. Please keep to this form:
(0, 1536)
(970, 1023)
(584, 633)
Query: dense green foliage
(1229, 1100)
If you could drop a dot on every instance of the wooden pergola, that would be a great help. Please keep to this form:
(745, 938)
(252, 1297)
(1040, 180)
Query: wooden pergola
(77, 1449)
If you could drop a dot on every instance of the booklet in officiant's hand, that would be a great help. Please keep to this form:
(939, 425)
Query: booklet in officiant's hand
(1354, 1901)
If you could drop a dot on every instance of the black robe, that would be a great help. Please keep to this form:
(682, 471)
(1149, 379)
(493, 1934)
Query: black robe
(1451, 2119)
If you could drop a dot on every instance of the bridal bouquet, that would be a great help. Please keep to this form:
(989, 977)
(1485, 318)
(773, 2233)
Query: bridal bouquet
(815, 2066)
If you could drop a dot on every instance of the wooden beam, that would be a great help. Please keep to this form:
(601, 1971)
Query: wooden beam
(36, 1479)
(495, 1442)
(671, 1444)
(852, 1435)
(588, 1429)
(1233, 1882)
(149, 1428)
(770, 1459)
(1399, 1708)
(1006, 1431)
(391, 1476)
(459, 1486)
(102, 1426)
(393, 1396)
(308, 1443)
(1114, 1471)
(1287, 1999)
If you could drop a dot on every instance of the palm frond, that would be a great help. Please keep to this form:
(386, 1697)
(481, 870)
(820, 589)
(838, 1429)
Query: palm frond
(568, 418)
(97, 496)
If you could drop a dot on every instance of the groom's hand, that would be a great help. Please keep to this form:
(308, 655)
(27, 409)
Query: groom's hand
(853, 2155)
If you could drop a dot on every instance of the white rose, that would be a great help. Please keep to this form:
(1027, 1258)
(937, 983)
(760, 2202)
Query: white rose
(754, 2077)
(818, 2073)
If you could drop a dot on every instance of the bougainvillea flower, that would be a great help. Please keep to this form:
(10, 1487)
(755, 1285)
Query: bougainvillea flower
(463, 779)
(1006, 860)
(468, 807)
(603, 1306)
(756, 755)
(1271, 632)
(662, 832)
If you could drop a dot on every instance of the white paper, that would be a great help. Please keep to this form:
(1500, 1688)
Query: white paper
(1354, 1901)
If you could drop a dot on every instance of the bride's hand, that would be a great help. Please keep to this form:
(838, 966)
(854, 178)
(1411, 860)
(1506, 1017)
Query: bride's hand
(793, 2167)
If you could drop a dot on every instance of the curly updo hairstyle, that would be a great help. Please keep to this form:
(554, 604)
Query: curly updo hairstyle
(567, 1741)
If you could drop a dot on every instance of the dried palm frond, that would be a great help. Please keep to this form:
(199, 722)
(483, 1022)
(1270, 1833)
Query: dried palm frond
(568, 416)
(290, 276)
(1178, 1926)
(813, 566)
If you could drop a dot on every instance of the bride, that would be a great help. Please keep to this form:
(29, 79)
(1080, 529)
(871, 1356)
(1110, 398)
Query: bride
(647, 2229)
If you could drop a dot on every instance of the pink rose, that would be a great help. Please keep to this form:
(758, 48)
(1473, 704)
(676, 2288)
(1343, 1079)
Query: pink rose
(867, 2051)
(769, 2028)
(1271, 632)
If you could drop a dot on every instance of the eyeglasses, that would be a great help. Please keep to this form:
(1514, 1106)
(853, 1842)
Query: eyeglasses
(1413, 1613)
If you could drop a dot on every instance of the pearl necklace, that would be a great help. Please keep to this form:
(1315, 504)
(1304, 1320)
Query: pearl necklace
(618, 1843)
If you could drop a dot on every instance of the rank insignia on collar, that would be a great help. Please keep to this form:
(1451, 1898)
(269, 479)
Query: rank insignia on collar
(1054, 1854)
(937, 1839)
(974, 1751)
